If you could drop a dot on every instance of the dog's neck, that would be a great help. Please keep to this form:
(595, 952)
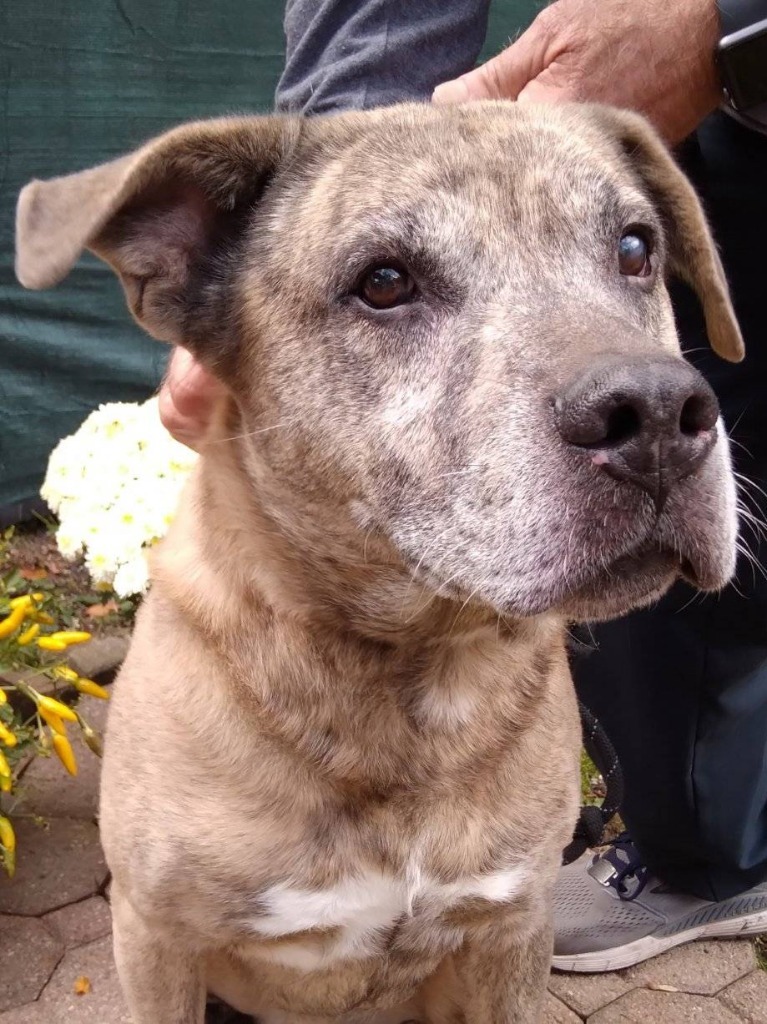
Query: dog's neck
(324, 573)
(365, 643)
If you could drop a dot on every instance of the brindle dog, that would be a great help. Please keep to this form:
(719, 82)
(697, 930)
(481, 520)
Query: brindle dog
(341, 762)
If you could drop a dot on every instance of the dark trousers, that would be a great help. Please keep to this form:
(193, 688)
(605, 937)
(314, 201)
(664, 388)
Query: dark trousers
(680, 688)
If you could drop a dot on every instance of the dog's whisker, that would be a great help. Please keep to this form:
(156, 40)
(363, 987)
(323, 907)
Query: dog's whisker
(747, 485)
(418, 565)
(754, 522)
(736, 424)
(739, 444)
(436, 593)
(252, 433)
(748, 554)
(461, 610)
(459, 472)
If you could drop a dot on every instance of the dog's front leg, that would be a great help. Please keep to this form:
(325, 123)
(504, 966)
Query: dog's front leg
(162, 979)
(503, 978)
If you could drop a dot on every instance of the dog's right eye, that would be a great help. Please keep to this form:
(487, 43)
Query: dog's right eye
(385, 287)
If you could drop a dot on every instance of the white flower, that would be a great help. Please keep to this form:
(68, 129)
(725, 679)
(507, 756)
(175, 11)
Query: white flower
(132, 577)
(114, 485)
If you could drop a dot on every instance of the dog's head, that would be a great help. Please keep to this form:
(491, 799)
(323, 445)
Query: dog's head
(445, 329)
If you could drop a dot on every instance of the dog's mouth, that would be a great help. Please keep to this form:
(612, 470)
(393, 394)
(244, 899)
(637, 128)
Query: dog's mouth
(610, 588)
(650, 557)
(601, 587)
(637, 578)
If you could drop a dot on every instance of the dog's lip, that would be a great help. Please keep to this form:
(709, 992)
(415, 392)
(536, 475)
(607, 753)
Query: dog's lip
(641, 568)
(658, 556)
(644, 557)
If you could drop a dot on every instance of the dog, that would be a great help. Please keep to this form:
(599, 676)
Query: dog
(341, 761)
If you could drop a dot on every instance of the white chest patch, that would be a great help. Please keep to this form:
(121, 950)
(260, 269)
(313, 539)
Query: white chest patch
(364, 907)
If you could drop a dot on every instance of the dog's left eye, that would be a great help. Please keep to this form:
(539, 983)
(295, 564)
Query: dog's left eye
(634, 254)
(385, 287)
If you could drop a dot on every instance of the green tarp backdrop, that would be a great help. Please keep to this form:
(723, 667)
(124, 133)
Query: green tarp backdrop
(81, 81)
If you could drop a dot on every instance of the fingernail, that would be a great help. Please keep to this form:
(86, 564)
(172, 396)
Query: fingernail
(451, 92)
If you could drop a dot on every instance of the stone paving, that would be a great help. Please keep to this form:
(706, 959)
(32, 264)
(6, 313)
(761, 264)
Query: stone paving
(54, 934)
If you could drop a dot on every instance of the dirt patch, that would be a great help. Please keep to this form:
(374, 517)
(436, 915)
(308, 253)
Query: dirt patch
(30, 560)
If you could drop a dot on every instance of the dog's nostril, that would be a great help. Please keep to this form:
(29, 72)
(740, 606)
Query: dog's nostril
(623, 422)
(697, 414)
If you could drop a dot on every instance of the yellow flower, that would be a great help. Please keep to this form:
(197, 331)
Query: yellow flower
(12, 622)
(8, 845)
(54, 707)
(6, 783)
(25, 601)
(37, 596)
(7, 737)
(91, 688)
(5, 768)
(66, 755)
(47, 643)
(43, 617)
(28, 635)
(65, 672)
(71, 636)
(3, 696)
(53, 721)
(7, 835)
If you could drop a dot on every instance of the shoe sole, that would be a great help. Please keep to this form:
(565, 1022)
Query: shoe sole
(643, 949)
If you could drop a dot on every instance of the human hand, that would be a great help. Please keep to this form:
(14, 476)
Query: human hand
(187, 399)
(652, 56)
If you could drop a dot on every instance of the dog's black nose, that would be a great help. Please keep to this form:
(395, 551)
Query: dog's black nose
(649, 421)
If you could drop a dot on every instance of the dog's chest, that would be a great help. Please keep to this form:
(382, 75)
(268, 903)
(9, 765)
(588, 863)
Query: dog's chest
(357, 917)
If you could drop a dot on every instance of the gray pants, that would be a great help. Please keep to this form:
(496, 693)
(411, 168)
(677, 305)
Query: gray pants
(681, 688)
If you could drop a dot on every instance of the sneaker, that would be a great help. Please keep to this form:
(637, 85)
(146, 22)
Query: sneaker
(610, 912)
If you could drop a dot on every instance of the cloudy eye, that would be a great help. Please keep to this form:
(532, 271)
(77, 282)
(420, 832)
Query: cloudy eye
(385, 287)
(634, 254)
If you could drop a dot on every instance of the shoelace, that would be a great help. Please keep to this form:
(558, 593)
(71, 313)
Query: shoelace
(621, 868)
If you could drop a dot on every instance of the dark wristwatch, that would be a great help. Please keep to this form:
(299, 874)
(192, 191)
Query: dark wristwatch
(742, 52)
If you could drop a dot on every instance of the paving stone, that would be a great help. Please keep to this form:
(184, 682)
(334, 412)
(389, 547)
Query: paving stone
(81, 923)
(587, 993)
(643, 1006)
(56, 866)
(700, 968)
(555, 1012)
(30, 952)
(48, 791)
(748, 997)
(58, 1004)
(101, 656)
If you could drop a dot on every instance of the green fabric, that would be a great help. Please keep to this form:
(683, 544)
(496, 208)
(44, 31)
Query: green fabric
(507, 20)
(80, 82)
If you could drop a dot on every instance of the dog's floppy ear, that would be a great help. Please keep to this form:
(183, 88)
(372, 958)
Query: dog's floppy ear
(692, 251)
(152, 215)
